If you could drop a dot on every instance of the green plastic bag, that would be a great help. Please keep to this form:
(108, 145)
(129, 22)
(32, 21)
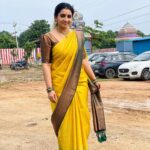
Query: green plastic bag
(101, 136)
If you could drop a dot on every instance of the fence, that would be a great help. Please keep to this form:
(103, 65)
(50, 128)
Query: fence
(7, 58)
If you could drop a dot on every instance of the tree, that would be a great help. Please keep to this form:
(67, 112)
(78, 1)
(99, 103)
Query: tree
(37, 28)
(140, 33)
(101, 39)
(98, 24)
(24, 37)
(7, 40)
(28, 47)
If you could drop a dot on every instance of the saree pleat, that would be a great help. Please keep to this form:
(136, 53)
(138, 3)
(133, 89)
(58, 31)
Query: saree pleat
(74, 130)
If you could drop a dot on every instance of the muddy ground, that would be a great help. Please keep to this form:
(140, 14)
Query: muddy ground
(25, 113)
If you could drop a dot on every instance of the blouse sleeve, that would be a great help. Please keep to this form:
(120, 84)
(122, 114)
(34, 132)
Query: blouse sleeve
(46, 45)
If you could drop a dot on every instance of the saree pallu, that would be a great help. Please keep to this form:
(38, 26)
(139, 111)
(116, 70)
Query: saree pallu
(74, 130)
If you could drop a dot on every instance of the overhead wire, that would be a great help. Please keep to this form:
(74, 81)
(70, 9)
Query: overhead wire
(132, 18)
(142, 22)
(134, 24)
(11, 23)
(126, 13)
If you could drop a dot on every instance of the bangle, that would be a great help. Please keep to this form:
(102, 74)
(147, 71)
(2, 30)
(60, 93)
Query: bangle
(94, 81)
(49, 89)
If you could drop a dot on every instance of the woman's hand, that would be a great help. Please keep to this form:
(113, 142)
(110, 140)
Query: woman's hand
(52, 96)
(98, 85)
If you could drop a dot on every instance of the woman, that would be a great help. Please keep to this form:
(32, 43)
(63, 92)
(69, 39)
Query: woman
(59, 48)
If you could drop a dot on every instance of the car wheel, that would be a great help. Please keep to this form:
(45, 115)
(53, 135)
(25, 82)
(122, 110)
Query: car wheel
(11, 67)
(145, 75)
(27, 67)
(16, 68)
(110, 73)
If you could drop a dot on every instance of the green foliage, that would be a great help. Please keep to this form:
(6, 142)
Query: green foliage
(7, 40)
(28, 47)
(101, 39)
(98, 24)
(24, 37)
(37, 28)
(140, 33)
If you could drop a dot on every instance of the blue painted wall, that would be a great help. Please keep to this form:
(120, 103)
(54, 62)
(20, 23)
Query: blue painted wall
(141, 46)
(88, 46)
(136, 46)
(124, 46)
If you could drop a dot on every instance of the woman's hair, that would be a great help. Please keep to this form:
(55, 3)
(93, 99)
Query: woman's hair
(61, 6)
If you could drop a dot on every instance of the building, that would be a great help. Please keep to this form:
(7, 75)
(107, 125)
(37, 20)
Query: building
(129, 41)
(88, 43)
(78, 23)
(141, 45)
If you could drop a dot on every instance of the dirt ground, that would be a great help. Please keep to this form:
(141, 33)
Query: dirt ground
(25, 113)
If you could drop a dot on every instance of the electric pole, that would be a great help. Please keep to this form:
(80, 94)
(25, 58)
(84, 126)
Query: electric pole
(15, 33)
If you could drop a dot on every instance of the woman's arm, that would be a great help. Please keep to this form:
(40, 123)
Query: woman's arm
(48, 81)
(88, 69)
(90, 72)
(46, 46)
(47, 74)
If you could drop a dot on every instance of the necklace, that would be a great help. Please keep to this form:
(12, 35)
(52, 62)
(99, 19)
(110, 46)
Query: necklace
(63, 33)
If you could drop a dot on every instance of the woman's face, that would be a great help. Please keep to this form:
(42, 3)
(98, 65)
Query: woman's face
(64, 18)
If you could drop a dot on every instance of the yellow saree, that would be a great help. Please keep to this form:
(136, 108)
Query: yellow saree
(74, 130)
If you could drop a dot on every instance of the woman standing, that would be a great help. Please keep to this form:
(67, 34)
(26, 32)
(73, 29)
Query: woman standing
(59, 48)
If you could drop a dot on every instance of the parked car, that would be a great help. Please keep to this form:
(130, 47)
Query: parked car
(21, 64)
(108, 63)
(139, 68)
(92, 57)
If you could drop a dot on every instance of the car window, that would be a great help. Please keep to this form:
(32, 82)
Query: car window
(95, 57)
(129, 57)
(90, 56)
(124, 57)
(114, 58)
(142, 57)
(120, 57)
(100, 58)
(108, 58)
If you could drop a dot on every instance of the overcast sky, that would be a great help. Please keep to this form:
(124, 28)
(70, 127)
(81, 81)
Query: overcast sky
(24, 12)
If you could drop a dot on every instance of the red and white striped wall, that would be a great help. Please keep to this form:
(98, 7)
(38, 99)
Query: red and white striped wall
(7, 57)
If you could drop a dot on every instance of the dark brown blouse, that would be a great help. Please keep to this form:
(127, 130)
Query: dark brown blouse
(48, 41)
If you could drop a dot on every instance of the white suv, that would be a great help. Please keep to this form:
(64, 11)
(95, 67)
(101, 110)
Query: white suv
(138, 68)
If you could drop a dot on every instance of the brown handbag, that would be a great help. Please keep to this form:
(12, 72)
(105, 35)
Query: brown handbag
(97, 112)
(97, 108)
